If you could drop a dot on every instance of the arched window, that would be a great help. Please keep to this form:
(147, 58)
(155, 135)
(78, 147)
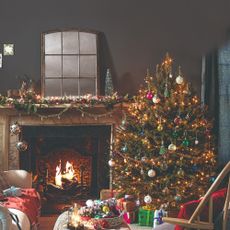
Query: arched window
(69, 63)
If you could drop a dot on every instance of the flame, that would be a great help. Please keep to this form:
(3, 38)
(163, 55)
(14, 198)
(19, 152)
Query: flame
(68, 174)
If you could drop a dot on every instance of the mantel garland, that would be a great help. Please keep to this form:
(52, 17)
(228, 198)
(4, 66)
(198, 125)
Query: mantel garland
(31, 102)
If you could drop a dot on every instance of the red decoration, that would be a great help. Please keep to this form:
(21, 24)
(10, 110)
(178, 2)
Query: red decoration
(188, 208)
(177, 120)
(149, 95)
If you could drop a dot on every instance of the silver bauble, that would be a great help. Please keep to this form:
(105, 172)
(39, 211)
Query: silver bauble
(21, 146)
(15, 128)
(111, 163)
(151, 173)
(172, 147)
(148, 199)
(179, 80)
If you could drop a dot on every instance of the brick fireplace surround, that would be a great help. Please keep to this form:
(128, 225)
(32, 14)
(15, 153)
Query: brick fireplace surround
(9, 155)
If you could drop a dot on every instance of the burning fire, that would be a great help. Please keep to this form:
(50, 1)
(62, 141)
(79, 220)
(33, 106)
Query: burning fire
(68, 174)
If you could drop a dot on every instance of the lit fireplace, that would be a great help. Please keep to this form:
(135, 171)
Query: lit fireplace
(68, 174)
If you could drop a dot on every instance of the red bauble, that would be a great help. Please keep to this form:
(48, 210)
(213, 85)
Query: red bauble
(177, 120)
(149, 95)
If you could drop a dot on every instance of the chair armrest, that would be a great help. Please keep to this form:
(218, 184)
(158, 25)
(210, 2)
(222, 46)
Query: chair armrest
(19, 178)
(5, 219)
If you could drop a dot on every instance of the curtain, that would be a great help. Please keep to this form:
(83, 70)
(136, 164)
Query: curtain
(216, 94)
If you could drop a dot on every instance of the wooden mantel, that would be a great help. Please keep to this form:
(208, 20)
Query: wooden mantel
(97, 115)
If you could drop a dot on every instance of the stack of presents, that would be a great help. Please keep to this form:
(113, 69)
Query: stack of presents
(133, 212)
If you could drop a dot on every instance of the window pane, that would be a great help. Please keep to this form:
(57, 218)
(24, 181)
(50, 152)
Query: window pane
(87, 86)
(88, 66)
(53, 66)
(88, 43)
(70, 66)
(53, 87)
(70, 43)
(70, 87)
(53, 43)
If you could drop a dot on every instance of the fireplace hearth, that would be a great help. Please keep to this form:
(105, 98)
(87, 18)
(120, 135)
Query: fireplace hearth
(69, 163)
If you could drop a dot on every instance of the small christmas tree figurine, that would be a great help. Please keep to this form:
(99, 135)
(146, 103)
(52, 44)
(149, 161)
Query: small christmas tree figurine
(164, 148)
(109, 90)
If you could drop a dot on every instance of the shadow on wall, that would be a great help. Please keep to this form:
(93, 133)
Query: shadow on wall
(126, 83)
(106, 62)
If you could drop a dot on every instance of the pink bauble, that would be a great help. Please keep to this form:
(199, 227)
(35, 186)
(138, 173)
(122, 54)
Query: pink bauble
(149, 95)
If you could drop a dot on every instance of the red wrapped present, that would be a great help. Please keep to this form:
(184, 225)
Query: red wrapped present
(130, 217)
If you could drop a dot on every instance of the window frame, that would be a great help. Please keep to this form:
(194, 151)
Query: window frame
(43, 55)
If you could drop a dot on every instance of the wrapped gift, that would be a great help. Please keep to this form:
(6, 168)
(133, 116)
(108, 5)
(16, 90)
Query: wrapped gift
(145, 216)
(130, 217)
(129, 206)
(158, 215)
(105, 194)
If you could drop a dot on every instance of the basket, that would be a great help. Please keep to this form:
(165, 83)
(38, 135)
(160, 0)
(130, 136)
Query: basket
(108, 222)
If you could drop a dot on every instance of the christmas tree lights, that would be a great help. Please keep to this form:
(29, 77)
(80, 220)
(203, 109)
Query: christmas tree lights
(164, 147)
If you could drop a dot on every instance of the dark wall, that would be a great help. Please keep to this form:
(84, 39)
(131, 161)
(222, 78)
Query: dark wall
(135, 34)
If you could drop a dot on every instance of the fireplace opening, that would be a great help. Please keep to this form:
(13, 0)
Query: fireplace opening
(69, 163)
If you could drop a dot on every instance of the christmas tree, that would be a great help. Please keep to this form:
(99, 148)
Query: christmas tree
(164, 150)
(109, 90)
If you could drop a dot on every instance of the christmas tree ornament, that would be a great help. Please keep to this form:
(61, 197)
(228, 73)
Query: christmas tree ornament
(109, 90)
(111, 163)
(172, 147)
(124, 148)
(156, 99)
(160, 127)
(149, 95)
(144, 159)
(177, 120)
(179, 80)
(163, 150)
(177, 198)
(151, 173)
(175, 134)
(196, 141)
(166, 92)
(89, 203)
(142, 171)
(15, 128)
(185, 142)
(142, 133)
(21, 146)
(148, 199)
(180, 172)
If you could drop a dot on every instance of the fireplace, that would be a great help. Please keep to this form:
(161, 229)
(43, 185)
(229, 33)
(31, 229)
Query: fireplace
(69, 163)
(74, 138)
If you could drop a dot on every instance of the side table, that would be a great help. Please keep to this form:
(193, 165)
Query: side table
(62, 220)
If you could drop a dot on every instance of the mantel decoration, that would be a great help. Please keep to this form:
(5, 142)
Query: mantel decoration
(30, 102)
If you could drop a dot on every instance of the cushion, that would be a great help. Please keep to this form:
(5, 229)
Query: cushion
(3, 182)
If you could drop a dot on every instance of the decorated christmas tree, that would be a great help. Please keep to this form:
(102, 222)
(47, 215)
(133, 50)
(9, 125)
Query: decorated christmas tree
(164, 150)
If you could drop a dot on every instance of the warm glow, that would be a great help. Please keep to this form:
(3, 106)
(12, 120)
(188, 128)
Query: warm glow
(68, 174)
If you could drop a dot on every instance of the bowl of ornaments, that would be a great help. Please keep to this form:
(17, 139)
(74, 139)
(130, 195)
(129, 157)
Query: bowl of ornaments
(101, 214)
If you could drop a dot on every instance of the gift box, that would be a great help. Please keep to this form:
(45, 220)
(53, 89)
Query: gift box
(158, 215)
(145, 217)
(106, 194)
(130, 217)
(126, 205)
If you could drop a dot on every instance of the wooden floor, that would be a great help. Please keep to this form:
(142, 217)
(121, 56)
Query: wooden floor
(47, 222)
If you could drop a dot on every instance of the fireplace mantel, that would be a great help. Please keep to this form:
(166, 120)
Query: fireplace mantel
(97, 115)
